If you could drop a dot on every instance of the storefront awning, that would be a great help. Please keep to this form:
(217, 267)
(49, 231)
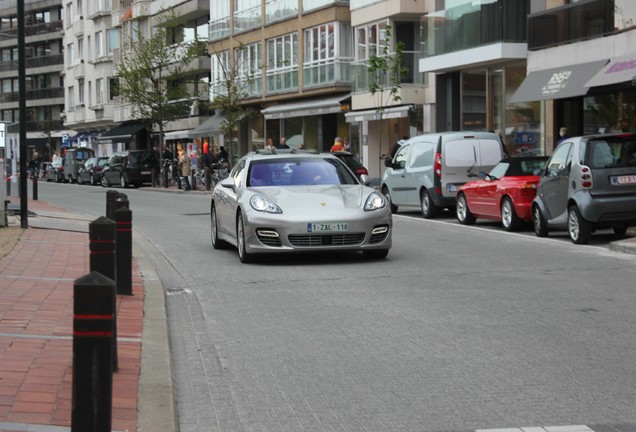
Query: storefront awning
(618, 70)
(307, 107)
(370, 115)
(209, 127)
(174, 135)
(557, 83)
(122, 133)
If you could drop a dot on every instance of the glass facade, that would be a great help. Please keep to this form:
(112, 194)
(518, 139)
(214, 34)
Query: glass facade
(580, 21)
(282, 63)
(327, 54)
(610, 112)
(470, 24)
(247, 15)
(248, 68)
(219, 26)
(278, 10)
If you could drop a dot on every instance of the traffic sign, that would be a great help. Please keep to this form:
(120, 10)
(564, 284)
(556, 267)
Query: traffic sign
(3, 128)
(65, 140)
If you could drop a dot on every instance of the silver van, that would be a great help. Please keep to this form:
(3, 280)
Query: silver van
(427, 170)
(74, 158)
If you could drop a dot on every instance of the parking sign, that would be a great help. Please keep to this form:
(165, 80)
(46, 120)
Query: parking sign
(65, 140)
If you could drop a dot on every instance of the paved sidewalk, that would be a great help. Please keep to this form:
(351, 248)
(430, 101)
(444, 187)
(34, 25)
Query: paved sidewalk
(36, 320)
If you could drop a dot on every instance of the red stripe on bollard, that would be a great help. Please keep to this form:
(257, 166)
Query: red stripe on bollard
(107, 334)
(94, 316)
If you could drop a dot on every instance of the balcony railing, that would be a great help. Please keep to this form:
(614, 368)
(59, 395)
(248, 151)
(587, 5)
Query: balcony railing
(219, 29)
(247, 19)
(32, 95)
(277, 10)
(326, 72)
(32, 30)
(410, 60)
(579, 21)
(34, 62)
(282, 80)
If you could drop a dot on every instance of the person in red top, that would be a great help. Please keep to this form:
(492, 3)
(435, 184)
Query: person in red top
(337, 145)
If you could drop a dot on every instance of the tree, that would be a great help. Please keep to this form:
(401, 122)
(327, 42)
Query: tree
(385, 76)
(152, 71)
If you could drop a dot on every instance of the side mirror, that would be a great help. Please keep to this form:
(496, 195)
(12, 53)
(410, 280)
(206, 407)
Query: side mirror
(388, 162)
(365, 179)
(228, 182)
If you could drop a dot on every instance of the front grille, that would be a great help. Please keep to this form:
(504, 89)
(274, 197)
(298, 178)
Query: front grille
(318, 240)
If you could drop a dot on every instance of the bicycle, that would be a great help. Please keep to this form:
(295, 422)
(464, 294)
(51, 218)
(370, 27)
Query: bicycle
(200, 178)
(170, 172)
(218, 172)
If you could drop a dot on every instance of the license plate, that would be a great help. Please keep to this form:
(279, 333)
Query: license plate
(328, 227)
(623, 180)
(145, 173)
(451, 188)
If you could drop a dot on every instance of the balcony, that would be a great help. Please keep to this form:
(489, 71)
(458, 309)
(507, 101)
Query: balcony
(37, 29)
(410, 60)
(278, 10)
(34, 62)
(247, 19)
(219, 29)
(579, 21)
(282, 80)
(325, 72)
(32, 95)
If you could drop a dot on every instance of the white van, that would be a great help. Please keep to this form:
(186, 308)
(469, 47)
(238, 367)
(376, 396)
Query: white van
(428, 169)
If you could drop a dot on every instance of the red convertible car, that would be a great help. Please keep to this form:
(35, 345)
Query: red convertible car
(504, 194)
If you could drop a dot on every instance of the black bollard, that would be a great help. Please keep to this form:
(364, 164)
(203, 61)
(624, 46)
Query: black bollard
(123, 250)
(101, 234)
(35, 188)
(111, 196)
(92, 353)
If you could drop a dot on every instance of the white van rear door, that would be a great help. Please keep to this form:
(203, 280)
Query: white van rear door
(459, 157)
(490, 153)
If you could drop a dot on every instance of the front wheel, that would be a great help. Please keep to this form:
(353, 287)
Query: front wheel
(105, 181)
(509, 218)
(387, 195)
(217, 243)
(620, 230)
(579, 229)
(244, 256)
(429, 209)
(464, 216)
(538, 222)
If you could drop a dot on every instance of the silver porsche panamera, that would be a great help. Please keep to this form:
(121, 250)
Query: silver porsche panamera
(298, 202)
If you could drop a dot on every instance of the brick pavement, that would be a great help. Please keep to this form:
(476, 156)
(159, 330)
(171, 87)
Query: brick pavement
(36, 307)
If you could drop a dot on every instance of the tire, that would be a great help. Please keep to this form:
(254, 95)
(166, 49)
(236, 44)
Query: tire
(538, 222)
(429, 209)
(620, 231)
(387, 195)
(217, 243)
(104, 182)
(79, 180)
(509, 218)
(122, 181)
(375, 254)
(244, 256)
(464, 216)
(579, 229)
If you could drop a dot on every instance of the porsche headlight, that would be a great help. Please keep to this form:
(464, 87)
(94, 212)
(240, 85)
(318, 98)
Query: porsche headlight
(375, 201)
(264, 204)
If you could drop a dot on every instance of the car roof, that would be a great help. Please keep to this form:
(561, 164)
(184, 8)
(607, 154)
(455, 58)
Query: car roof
(285, 153)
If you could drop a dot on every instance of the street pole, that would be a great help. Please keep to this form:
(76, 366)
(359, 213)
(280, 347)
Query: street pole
(24, 211)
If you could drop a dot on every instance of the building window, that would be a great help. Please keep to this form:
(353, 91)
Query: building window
(69, 14)
(70, 55)
(80, 91)
(282, 63)
(113, 40)
(315, 4)
(88, 48)
(99, 90)
(370, 40)
(80, 48)
(99, 46)
(219, 19)
(71, 97)
(220, 73)
(325, 60)
(113, 88)
(248, 67)
(79, 8)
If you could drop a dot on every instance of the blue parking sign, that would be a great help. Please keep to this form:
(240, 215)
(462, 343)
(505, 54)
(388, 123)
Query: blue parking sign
(65, 140)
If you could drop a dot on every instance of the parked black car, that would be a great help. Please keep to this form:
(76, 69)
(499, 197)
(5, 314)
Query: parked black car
(131, 167)
(91, 170)
(352, 162)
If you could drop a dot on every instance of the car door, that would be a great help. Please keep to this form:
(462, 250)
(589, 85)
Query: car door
(226, 202)
(397, 180)
(418, 172)
(115, 166)
(553, 187)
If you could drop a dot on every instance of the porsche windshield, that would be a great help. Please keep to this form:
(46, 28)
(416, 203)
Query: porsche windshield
(299, 172)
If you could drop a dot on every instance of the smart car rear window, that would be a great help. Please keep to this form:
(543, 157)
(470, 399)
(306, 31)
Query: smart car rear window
(610, 153)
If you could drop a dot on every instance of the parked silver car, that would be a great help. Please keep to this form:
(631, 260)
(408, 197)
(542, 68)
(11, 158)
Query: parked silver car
(298, 202)
(589, 182)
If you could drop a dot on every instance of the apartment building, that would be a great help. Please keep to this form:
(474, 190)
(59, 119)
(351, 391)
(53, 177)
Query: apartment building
(44, 65)
(581, 68)
(95, 34)
(378, 120)
(293, 59)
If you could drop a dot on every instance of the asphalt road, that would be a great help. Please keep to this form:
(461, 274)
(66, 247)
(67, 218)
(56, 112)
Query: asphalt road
(460, 328)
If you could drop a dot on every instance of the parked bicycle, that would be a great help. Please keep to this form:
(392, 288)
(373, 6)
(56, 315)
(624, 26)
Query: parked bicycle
(200, 178)
(169, 172)
(218, 171)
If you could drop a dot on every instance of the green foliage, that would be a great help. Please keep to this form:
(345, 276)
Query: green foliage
(152, 72)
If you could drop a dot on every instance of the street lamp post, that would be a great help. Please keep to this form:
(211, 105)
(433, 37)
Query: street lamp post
(24, 211)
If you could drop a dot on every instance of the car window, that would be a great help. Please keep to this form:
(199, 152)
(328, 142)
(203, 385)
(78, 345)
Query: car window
(299, 172)
(401, 155)
(423, 154)
(559, 159)
(500, 170)
(531, 167)
(611, 153)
